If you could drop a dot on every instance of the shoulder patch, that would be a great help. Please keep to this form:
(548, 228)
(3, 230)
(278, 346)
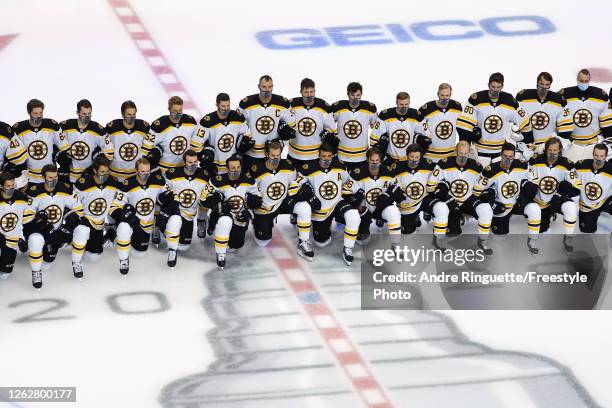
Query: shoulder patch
(473, 96)
(444, 160)
(245, 99)
(33, 188)
(55, 123)
(424, 107)
(384, 112)
(488, 168)
(218, 178)
(81, 180)
(170, 170)
(305, 166)
(561, 91)
(63, 123)
(335, 103)
(522, 91)
(285, 99)
(100, 126)
(156, 123)
(145, 123)
(159, 177)
(393, 166)
(357, 170)
(371, 104)
(253, 167)
(580, 161)
(207, 118)
(15, 125)
(429, 161)
(109, 124)
(125, 182)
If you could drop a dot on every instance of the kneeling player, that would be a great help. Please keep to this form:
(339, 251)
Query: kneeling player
(134, 209)
(233, 195)
(282, 193)
(557, 183)
(514, 189)
(327, 179)
(52, 226)
(373, 190)
(13, 204)
(596, 186)
(189, 185)
(96, 191)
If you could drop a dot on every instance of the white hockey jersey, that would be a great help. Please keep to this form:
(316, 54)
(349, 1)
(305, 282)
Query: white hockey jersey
(400, 129)
(56, 204)
(353, 126)
(310, 121)
(548, 177)
(415, 183)
(587, 109)
(188, 190)
(173, 139)
(12, 217)
(549, 117)
(327, 184)
(263, 119)
(596, 185)
(461, 180)
(82, 144)
(96, 199)
(129, 145)
(441, 127)
(234, 192)
(372, 186)
(142, 197)
(11, 149)
(275, 185)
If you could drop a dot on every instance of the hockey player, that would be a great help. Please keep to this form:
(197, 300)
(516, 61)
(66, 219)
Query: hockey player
(595, 176)
(234, 194)
(513, 187)
(220, 135)
(547, 111)
(282, 193)
(414, 179)
(440, 122)
(134, 210)
(130, 139)
(314, 125)
(13, 205)
(86, 139)
(189, 185)
(327, 179)
(587, 106)
(452, 182)
(55, 213)
(396, 128)
(354, 118)
(13, 155)
(268, 117)
(96, 192)
(173, 134)
(373, 190)
(41, 139)
(491, 112)
(557, 183)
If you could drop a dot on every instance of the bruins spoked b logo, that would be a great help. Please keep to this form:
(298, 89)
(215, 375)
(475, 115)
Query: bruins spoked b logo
(145, 207)
(352, 129)
(307, 126)
(236, 203)
(372, 196)
(509, 189)
(459, 188)
(583, 118)
(187, 198)
(98, 206)
(444, 130)
(540, 120)
(8, 222)
(128, 151)
(54, 213)
(400, 138)
(328, 190)
(548, 185)
(178, 145)
(79, 150)
(226, 142)
(276, 190)
(593, 191)
(493, 124)
(415, 190)
(264, 125)
(38, 150)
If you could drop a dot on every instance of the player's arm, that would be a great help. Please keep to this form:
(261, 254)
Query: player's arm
(59, 138)
(467, 121)
(605, 119)
(564, 122)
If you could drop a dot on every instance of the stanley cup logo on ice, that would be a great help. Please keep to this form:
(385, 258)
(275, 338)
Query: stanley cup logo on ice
(273, 358)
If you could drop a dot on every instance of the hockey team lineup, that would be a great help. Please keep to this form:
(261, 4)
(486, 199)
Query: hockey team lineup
(130, 183)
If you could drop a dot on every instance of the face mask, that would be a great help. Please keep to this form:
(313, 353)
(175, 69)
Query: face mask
(308, 100)
(274, 162)
(130, 120)
(103, 178)
(324, 163)
(462, 160)
(144, 177)
(176, 116)
(85, 119)
(552, 157)
(9, 192)
(191, 169)
(494, 94)
(373, 166)
(36, 121)
(354, 102)
(506, 162)
(596, 163)
(224, 112)
(413, 163)
(402, 111)
(542, 91)
(51, 184)
(233, 175)
(443, 102)
(583, 86)
(265, 94)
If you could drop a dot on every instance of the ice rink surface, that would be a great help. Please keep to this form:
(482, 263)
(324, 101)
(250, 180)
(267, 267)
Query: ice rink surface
(272, 330)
